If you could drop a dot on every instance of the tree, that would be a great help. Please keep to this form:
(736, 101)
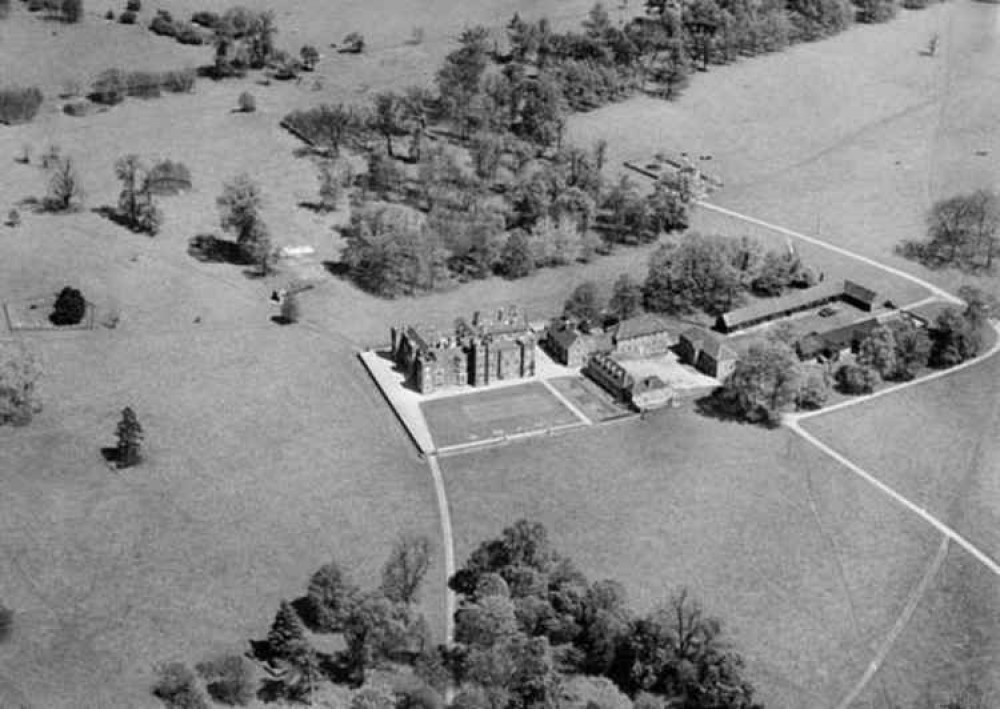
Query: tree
(332, 178)
(954, 339)
(291, 311)
(129, 433)
(913, 346)
(239, 207)
(287, 635)
(405, 568)
(72, 10)
(626, 298)
(696, 273)
(873, 11)
(177, 686)
(69, 307)
(64, 186)
(878, 351)
(485, 622)
(135, 202)
(330, 597)
(387, 117)
(856, 379)
(19, 374)
(378, 629)
(230, 679)
(962, 231)
(6, 623)
(588, 692)
(516, 259)
(815, 390)
(584, 303)
(260, 38)
(247, 103)
(310, 57)
(764, 382)
(258, 248)
(458, 80)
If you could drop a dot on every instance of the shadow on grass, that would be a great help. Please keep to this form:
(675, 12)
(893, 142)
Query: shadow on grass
(280, 320)
(113, 215)
(211, 249)
(336, 268)
(110, 456)
(317, 207)
(717, 406)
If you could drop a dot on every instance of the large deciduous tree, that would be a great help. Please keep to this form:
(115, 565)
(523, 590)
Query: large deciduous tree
(406, 567)
(764, 382)
(20, 371)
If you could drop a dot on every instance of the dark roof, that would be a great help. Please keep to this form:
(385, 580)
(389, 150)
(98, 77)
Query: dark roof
(772, 306)
(844, 336)
(564, 335)
(859, 292)
(640, 326)
(424, 336)
(706, 342)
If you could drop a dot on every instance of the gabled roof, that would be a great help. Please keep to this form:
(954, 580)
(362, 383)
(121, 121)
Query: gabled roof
(860, 293)
(843, 337)
(705, 341)
(564, 335)
(771, 306)
(639, 326)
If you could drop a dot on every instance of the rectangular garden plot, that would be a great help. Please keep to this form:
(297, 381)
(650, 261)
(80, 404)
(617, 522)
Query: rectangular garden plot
(587, 396)
(494, 414)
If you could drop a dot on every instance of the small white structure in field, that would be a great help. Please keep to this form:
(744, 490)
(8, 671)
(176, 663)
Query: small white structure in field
(296, 251)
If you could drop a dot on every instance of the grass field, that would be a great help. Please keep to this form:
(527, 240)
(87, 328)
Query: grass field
(935, 444)
(520, 408)
(807, 568)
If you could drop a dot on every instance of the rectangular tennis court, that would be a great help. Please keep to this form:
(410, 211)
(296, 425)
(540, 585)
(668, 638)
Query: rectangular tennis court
(494, 413)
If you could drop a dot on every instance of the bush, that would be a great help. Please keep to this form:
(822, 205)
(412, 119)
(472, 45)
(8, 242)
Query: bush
(133, 5)
(143, 84)
(109, 15)
(19, 104)
(209, 20)
(72, 10)
(856, 379)
(247, 103)
(36, 5)
(353, 43)
(69, 308)
(109, 87)
(163, 26)
(127, 18)
(168, 177)
(188, 34)
(77, 108)
(6, 623)
(178, 688)
(230, 679)
(19, 373)
(179, 81)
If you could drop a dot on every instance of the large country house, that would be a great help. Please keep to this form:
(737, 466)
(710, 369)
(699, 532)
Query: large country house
(485, 350)
(645, 335)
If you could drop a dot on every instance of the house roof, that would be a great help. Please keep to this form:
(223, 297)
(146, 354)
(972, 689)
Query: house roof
(640, 326)
(771, 306)
(424, 336)
(564, 335)
(706, 342)
(844, 336)
(859, 292)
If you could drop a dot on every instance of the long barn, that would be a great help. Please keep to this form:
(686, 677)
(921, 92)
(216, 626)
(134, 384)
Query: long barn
(774, 308)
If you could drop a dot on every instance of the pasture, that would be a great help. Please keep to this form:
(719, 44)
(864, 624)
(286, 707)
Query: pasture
(807, 568)
(494, 413)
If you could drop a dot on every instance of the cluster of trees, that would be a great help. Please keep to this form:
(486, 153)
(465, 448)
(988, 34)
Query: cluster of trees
(239, 207)
(769, 378)
(19, 104)
(19, 374)
(962, 231)
(585, 306)
(244, 39)
(532, 629)
(712, 273)
(111, 86)
(136, 206)
(165, 25)
(65, 10)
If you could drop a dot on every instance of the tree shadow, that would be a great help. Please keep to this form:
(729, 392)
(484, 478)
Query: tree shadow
(280, 320)
(716, 406)
(211, 249)
(113, 215)
(336, 268)
(111, 455)
(317, 207)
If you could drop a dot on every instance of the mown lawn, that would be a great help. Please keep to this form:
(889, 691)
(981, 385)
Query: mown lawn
(806, 567)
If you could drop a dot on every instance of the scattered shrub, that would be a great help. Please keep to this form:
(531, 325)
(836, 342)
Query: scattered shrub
(133, 5)
(77, 108)
(69, 308)
(209, 20)
(353, 43)
(143, 84)
(6, 623)
(19, 104)
(163, 26)
(310, 57)
(72, 10)
(19, 373)
(230, 679)
(178, 687)
(127, 18)
(188, 34)
(168, 177)
(856, 379)
(247, 103)
(179, 81)
(109, 15)
(109, 87)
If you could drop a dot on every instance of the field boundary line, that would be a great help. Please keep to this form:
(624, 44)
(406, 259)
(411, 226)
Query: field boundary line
(980, 555)
(567, 403)
(448, 540)
(916, 595)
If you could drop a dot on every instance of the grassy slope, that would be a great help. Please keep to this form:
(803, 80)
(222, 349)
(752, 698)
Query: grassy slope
(726, 510)
(936, 444)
